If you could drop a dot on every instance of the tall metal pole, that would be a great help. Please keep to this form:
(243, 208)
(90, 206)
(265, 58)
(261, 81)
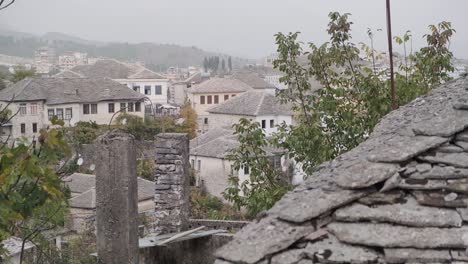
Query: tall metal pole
(390, 54)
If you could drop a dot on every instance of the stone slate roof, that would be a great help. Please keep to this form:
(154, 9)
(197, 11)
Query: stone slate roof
(68, 90)
(68, 74)
(252, 103)
(80, 182)
(253, 80)
(399, 197)
(87, 198)
(115, 70)
(13, 245)
(220, 85)
(217, 142)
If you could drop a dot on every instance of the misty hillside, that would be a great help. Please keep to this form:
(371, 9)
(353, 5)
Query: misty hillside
(155, 56)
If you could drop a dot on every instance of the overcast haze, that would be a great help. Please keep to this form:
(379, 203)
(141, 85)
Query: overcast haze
(241, 27)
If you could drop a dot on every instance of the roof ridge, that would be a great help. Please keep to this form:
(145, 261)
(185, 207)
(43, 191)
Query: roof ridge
(260, 104)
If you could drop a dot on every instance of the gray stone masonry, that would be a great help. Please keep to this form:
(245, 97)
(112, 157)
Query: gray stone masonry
(116, 198)
(172, 192)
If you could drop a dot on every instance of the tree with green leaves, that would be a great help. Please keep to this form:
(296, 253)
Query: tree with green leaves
(353, 98)
(265, 184)
(32, 196)
(20, 74)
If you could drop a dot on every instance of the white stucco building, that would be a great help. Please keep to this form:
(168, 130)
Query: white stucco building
(212, 169)
(33, 102)
(261, 106)
(152, 85)
(213, 92)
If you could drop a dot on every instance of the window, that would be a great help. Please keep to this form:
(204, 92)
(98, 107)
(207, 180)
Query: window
(157, 89)
(192, 163)
(93, 108)
(23, 128)
(33, 109)
(199, 165)
(209, 99)
(226, 97)
(202, 99)
(59, 112)
(137, 107)
(68, 113)
(22, 109)
(233, 95)
(111, 107)
(86, 109)
(34, 127)
(246, 170)
(136, 88)
(272, 123)
(206, 121)
(216, 99)
(263, 123)
(50, 113)
(123, 107)
(130, 107)
(147, 90)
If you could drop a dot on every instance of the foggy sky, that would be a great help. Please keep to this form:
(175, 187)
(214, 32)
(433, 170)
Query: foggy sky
(238, 27)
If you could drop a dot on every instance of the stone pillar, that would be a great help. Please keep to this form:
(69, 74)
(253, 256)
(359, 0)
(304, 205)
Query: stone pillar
(172, 194)
(116, 199)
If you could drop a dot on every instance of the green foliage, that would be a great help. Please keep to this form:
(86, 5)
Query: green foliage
(205, 206)
(265, 184)
(78, 251)
(148, 128)
(32, 198)
(145, 169)
(190, 122)
(20, 74)
(336, 118)
(85, 132)
(355, 96)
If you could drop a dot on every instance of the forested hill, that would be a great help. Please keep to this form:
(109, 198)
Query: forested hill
(155, 56)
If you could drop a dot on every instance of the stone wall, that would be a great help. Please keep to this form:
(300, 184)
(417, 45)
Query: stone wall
(193, 251)
(231, 226)
(172, 191)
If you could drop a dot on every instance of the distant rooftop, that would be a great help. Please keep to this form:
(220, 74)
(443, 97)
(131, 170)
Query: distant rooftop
(217, 142)
(113, 69)
(67, 90)
(220, 85)
(253, 103)
(78, 182)
(253, 80)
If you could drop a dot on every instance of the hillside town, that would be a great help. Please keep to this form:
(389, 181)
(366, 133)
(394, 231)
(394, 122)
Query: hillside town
(338, 151)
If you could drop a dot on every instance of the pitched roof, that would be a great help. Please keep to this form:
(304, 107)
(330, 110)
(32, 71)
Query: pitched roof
(113, 69)
(217, 142)
(398, 197)
(252, 103)
(13, 245)
(68, 90)
(80, 182)
(220, 85)
(87, 199)
(253, 80)
(68, 74)
(146, 74)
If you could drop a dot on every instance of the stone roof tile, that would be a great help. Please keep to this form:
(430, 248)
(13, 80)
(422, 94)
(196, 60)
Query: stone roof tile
(68, 90)
(420, 212)
(253, 103)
